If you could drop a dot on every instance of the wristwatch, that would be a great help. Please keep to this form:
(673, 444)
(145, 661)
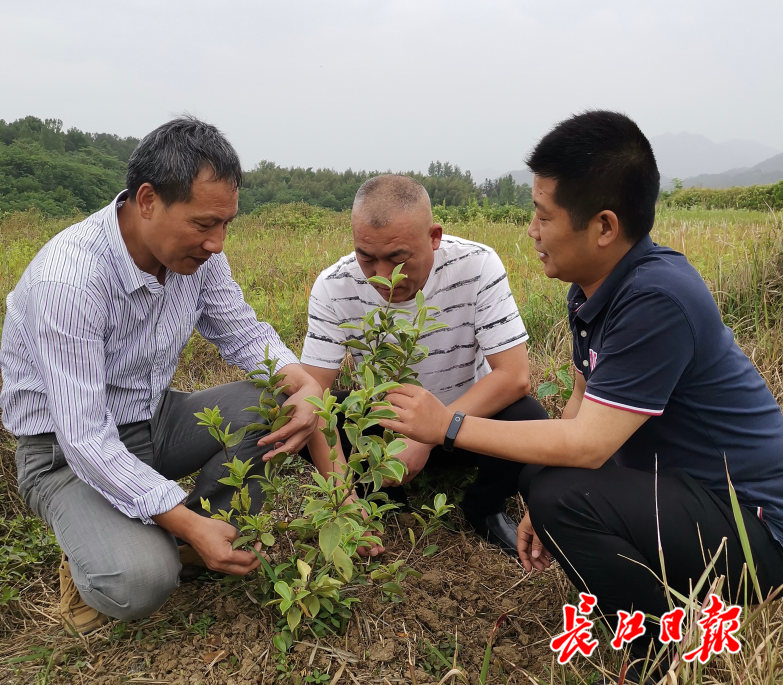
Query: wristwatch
(451, 433)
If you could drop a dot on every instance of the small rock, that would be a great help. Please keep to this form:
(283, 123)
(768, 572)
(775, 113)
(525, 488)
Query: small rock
(429, 619)
(510, 653)
(382, 653)
(432, 582)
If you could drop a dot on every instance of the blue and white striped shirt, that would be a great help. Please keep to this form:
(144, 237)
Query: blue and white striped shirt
(91, 342)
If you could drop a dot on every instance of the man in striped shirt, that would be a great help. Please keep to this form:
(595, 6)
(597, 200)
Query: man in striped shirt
(478, 365)
(90, 344)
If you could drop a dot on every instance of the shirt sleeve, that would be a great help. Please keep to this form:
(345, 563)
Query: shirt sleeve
(67, 325)
(322, 345)
(499, 326)
(230, 323)
(648, 344)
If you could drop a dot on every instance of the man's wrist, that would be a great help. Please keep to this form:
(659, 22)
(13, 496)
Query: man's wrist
(178, 521)
(453, 429)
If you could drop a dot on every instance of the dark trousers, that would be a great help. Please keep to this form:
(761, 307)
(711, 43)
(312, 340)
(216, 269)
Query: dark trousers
(497, 478)
(597, 523)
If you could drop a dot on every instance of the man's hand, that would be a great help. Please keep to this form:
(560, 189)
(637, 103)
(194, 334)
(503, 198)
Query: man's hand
(421, 416)
(415, 457)
(532, 552)
(295, 434)
(211, 539)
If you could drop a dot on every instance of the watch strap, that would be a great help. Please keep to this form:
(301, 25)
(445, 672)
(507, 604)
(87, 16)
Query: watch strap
(451, 434)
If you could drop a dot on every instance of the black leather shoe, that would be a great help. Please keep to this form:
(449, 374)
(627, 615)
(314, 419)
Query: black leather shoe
(500, 530)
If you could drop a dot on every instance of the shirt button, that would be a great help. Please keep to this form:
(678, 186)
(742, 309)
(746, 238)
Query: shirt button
(584, 363)
(583, 334)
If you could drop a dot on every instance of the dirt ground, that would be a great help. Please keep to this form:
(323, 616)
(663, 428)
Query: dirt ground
(215, 632)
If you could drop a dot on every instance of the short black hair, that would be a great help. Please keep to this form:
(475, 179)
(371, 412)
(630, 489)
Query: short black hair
(601, 160)
(172, 156)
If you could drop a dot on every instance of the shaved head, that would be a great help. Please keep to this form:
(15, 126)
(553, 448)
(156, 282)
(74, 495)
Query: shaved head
(381, 199)
(392, 225)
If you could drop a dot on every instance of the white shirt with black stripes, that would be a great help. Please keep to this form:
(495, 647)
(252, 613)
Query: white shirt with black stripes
(468, 283)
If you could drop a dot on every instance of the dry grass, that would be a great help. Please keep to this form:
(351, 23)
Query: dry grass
(213, 632)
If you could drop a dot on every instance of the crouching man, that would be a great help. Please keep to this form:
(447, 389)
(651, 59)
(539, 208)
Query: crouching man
(478, 365)
(660, 383)
(90, 344)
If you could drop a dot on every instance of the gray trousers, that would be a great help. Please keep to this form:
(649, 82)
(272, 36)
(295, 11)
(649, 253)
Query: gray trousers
(122, 567)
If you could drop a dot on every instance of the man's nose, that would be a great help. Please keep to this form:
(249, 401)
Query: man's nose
(214, 242)
(384, 270)
(532, 230)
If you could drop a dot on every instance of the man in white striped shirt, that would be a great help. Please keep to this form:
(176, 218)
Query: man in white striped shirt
(90, 344)
(478, 365)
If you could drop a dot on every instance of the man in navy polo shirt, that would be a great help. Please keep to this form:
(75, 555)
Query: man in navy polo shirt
(661, 383)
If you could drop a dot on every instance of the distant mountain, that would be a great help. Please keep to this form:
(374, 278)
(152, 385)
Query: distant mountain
(702, 163)
(686, 154)
(768, 171)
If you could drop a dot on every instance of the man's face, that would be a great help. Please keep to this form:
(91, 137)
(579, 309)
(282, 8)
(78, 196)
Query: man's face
(563, 251)
(184, 235)
(410, 237)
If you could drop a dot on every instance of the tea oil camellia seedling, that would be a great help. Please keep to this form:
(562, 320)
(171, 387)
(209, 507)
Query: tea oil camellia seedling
(343, 511)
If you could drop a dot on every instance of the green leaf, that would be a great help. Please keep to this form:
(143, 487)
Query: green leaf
(395, 447)
(268, 539)
(282, 589)
(419, 299)
(385, 387)
(412, 536)
(429, 551)
(269, 570)
(392, 588)
(279, 642)
(293, 617)
(313, 605)
(343, 563)
(440, 501)
(329, 539)
(357, 345)
(380, 280)
(547, 389)
(236, 438)
(242, 541)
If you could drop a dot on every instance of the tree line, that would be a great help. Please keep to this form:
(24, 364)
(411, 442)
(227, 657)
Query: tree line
(61, 172)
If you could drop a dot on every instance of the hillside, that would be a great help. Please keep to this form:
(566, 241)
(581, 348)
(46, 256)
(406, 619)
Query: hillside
(61, 173)
(683, 155)
(768, 171)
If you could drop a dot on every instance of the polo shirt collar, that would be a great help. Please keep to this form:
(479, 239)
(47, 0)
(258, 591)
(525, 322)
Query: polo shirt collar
(590, 308)
(131, 277)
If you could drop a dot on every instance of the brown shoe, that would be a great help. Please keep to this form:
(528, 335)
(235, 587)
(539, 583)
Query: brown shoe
(193, 565)
(190, 557)
(77, 616)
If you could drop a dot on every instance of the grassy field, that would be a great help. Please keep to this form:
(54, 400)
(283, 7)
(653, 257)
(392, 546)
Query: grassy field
(276, 255)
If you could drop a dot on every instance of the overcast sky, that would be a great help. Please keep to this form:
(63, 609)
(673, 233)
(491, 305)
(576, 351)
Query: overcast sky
(393, 85)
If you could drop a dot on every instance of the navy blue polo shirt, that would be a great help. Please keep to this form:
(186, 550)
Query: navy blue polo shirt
(651, 340)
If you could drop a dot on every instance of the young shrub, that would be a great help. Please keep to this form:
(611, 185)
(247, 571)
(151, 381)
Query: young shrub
(343, 511)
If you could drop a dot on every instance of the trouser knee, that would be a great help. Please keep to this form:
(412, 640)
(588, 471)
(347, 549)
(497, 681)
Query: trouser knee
(138, 589)
(552, 493)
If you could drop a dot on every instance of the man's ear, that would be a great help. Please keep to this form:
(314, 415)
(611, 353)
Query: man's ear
(607, 226)
(436, 233)
(146, 199)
